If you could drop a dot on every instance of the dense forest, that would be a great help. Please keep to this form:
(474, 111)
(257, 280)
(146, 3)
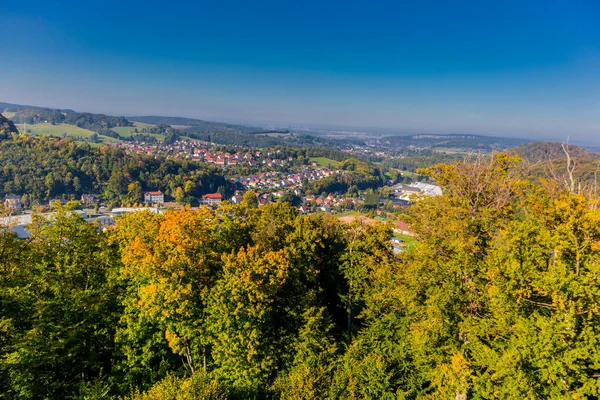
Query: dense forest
(255, 140)
(498, 300)
(7, 128)
(199, 125)
(47, 168)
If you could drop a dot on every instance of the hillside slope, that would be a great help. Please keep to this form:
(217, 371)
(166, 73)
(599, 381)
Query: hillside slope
(540, 151)
(462, 141)
(547, 160)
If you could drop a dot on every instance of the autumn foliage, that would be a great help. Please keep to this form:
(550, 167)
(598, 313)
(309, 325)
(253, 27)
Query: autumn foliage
(499, 299)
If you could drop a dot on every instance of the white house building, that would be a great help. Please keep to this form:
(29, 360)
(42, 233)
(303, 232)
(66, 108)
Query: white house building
(212, 199)
(154, 197)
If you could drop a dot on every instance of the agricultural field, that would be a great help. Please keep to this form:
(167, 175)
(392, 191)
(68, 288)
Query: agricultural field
(71, 131)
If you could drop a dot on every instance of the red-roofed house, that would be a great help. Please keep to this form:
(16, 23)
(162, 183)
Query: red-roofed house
(212, 199)
(402, 227)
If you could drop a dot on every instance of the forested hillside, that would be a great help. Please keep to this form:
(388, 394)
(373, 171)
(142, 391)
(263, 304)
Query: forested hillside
(567, 164)
(46, 168)
(498, 300)
(543, 151)
(199, 125)
(7, 128)
(255, 139)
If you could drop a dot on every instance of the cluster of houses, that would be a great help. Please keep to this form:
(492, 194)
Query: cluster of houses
(197, 151)
(327, 203)
(276, 180)
(233, 159)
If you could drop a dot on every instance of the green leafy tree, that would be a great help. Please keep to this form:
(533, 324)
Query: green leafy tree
(169, 270)
(59, 308)
(179, 195)
(246, 348)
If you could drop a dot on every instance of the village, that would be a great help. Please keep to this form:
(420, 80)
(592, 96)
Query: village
(203, 152)
(269, 174)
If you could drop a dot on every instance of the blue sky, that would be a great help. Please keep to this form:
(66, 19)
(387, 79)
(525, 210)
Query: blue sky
(516, 68)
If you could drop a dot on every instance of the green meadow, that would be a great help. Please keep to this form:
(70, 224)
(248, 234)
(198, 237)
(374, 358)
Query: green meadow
(324, 162)
(72, 131)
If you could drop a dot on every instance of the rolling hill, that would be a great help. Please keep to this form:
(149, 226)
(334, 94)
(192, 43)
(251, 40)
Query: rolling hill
(197, 125)
(453, 141)
(540, 151)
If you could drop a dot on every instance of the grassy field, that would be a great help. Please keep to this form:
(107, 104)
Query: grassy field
(9, 115)
(410, 241)
(58, 130)
(409, 174)
(324, 162)
(126, 131)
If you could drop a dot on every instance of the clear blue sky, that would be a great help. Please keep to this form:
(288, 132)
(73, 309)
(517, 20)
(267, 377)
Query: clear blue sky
(518, 68)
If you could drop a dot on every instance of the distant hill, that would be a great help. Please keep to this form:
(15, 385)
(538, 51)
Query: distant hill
(7, 127)
(541, 151)
(4, 106)
(11, 106)
(198, 125)
(459, 141)
(53, 121)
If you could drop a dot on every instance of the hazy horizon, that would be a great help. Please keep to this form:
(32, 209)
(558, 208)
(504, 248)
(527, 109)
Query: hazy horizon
(512, 69)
